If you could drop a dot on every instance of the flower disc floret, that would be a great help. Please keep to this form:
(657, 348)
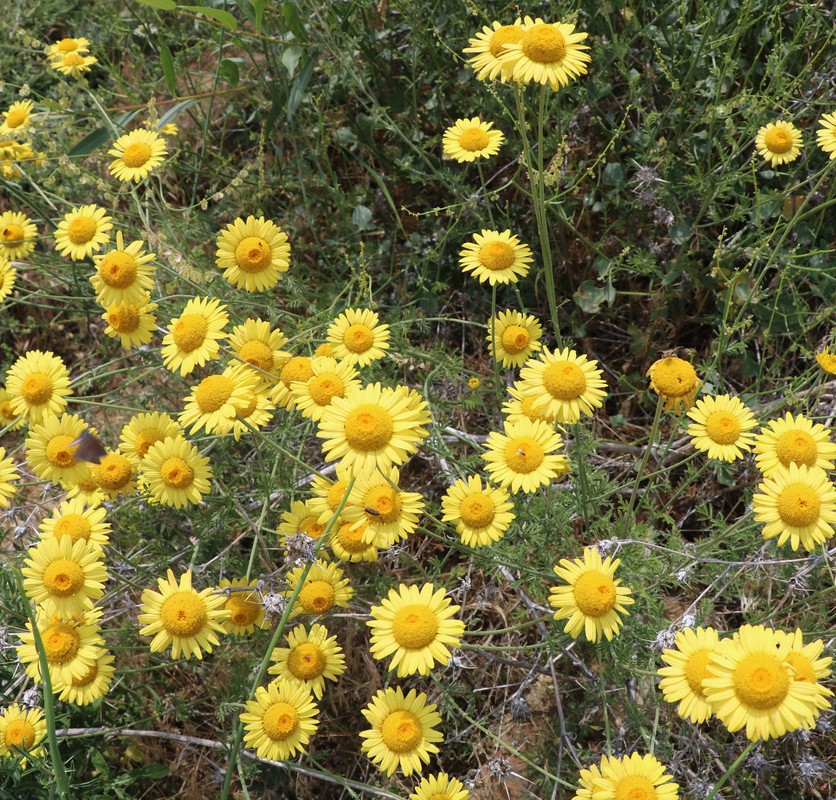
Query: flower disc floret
(675, 381)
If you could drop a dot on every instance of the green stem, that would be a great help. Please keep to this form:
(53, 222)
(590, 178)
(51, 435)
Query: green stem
(654, 432)
(485, 193)
(599, 647)
(496, 378)
(583, 480)
(731, 770)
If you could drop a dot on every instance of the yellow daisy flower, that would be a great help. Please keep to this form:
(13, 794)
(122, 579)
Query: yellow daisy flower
(193, 337)
(244, 607)
(253, 254)
(827, 361)
(593, 599)
(280, 720)
(778, 142)
(635, 777)
(169, 129)
(8, 474)
(93, 684)
(388, 513)
(71, 646)
(720, 428)
(806, 665)
(8, 278)
(440, 787)
(675, 381)
(73, 63)
(685, 669)
(348, 543)
(299, 518)
(373, 428)
(793, 440)
(254, 412)
(17, 118)
(260, 346)
(328, 494)
(84, 487)
(587, 779)
(403, 732)
(324, 587)
(123, 275)
(752, 685)
(524, 458)
(83, 231)
(136, 154)
(324, 349)
(566, 384)
(489, 45)
(17, 235)
(134, 324)
(9, 418)
(21, 732)
(75, 520)
(115, 475)
(414, 623)
(547, 53)
(481, 514)
(310, 657)
(214, 402)
(174, 473)
(296, 369)
(180, 616)
(145, 430)
(522, 406)
(826, 134)
(470, 139)
(473, 383)
(64, 576)
(50, 451)
(496, 257)
(329, 379)
(38, 384)
(69, 45)
(357, 337)
(797, 503)
(517, 337)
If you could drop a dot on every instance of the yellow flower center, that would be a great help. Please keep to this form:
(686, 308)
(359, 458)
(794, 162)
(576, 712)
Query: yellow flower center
(86, 678)
(58, 451)
(324, 349)
(311, 528)
(803, 667)
(761, 681)
(524, 454)
(213, 392)
(473, 140)
(144, 440)
(594, 593)
(183, 614)
(13, 234)
(796, 446)
(335, 494)
(19, 733)
(136, 154)
(544, 44)
(280, 721)
(306, 661)
(190, 331)
(16, 118)
(123, 318)
(253, 254)
(324, 388)
(75, 526)
(242, 610)
(258, 354)
(414, 627)
(86, 483)
(63, 578)
(477, 510)
(81, 230)
(358, 338)
(564, 380)
(696, 669)
(507, 34)
(245, 410)
(385, 502)
(317, 597)
(515, 339)
(36, 388)
(118, 269)
(176, 473)
(778, 140)
(368, 428)
(798, 505)
(722, 427)
(61, 643)
(496, 255)
(113, 472)
(352, 540)
(6, 412)
(67, 45)
(297, 368)
(72, 60)
(534, 408)
(634, 787)
(401, 731)
(673, 377)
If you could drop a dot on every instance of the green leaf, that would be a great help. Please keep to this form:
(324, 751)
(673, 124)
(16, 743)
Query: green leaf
(590, 297)
(218, 14)
(150, 772)
(299, 86)
(259, 14)
(294, 21)
(174, 111)
(361, 217)
(165, 5)
(167, 63)
(90, 142)
(249, 12)
(229, 69)
(613, 174)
